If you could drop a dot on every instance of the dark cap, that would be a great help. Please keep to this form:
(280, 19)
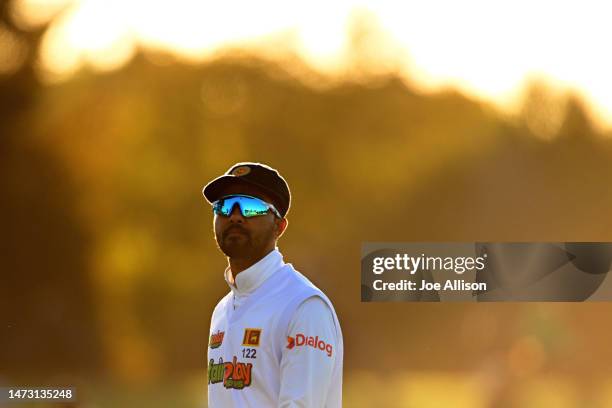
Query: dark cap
(255, 174)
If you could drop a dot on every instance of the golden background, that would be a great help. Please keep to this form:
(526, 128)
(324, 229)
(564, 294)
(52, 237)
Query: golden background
(109, 265)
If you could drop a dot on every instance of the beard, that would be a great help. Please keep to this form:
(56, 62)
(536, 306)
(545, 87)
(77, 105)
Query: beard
(238, 243)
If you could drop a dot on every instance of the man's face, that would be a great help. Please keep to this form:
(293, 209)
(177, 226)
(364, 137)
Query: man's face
(246, 238)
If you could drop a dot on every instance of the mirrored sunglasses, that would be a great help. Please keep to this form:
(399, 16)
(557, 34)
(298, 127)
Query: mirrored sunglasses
(249, 206)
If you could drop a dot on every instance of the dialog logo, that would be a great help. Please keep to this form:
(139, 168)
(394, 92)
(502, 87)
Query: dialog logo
(301, 339)
(216, 339)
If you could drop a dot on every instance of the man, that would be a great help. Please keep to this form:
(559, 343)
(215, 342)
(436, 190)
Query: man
(275, 339)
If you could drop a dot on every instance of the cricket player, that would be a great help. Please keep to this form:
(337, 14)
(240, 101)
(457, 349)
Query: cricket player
(275, 339)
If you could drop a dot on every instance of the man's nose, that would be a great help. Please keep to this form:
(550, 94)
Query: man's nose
(236, 214)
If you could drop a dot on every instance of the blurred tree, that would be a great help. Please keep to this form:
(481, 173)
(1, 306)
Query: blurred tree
(543, 109)
(110, 167)
(576, 122)
(47, 323)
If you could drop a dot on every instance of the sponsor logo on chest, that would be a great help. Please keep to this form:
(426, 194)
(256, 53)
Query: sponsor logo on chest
(216, 339)
(234, 374)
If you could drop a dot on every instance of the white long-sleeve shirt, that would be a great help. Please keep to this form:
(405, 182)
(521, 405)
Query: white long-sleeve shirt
(296, 351)
(313, 368)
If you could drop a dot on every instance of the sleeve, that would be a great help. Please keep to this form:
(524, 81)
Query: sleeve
(308, 360)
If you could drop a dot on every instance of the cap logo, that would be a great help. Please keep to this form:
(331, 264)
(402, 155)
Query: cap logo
(241, 171)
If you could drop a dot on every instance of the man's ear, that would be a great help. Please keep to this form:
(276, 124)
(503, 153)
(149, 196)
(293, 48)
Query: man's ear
(281, 226)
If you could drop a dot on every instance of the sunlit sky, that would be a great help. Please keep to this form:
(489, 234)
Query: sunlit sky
(486, 48)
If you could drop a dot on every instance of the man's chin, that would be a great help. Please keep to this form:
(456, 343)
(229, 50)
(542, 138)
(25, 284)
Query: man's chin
(235, 250)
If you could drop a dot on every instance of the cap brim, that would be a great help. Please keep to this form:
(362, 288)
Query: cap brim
(214, 190)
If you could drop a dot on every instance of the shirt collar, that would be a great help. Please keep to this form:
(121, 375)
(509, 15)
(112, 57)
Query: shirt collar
(252, 277)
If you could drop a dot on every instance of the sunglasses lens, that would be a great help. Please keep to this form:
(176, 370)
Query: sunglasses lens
(249, 206)
(252, 207)
(220, 208)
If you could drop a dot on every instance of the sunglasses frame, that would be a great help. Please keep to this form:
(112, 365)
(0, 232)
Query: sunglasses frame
(268, 205)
